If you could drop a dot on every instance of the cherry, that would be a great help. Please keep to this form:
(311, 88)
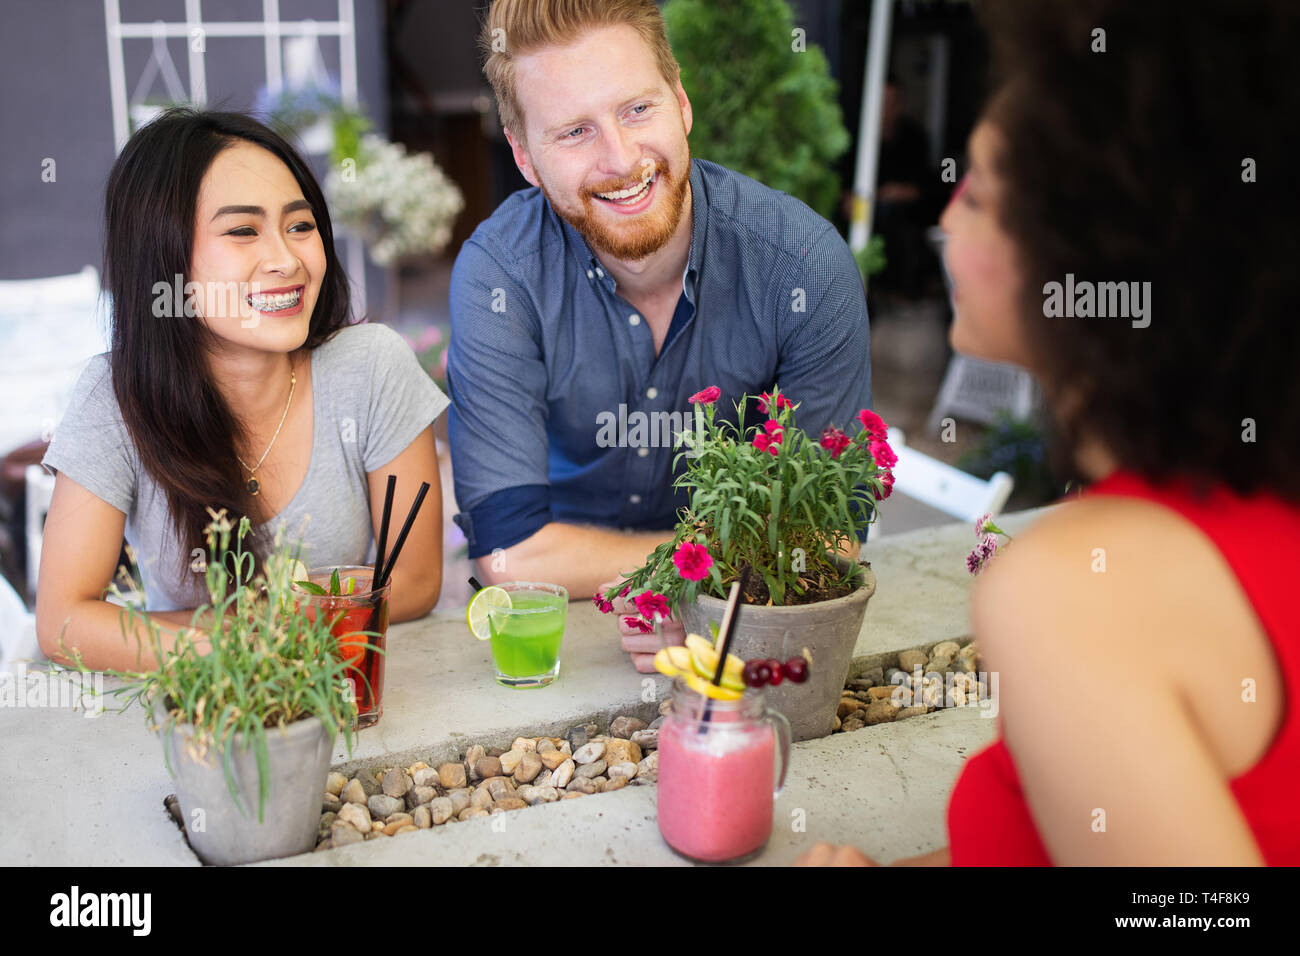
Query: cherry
(796, 669)
(756, 673)
(775, 667)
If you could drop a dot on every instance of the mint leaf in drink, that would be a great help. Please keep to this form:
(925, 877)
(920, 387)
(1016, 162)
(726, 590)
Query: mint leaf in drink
(311, 587)
(334, 582)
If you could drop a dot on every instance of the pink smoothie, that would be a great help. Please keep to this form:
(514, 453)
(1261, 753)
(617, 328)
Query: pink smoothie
(715, 788)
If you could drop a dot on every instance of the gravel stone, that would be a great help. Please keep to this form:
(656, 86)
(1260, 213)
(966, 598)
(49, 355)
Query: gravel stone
(443, 809)
(396, 783)
(383, 806)
(911, 660)
(353, 792)
(529, 767)
(553, 758)
(589, 753)
(625, 727)
(563, 774)
(355, 815)
(452, 775)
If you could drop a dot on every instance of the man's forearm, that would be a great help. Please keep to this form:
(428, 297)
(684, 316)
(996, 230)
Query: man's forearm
(576, 557)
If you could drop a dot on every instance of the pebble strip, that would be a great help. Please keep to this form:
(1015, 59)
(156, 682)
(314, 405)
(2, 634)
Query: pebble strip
(948, 679)
(376, 805)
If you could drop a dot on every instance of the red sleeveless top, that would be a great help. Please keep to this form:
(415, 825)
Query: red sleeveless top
(989, 822)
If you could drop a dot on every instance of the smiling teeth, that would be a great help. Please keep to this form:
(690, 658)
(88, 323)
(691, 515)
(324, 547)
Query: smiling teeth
(632, 193)
(275, 303)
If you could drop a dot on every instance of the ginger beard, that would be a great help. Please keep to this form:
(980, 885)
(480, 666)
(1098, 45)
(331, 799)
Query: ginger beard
(640, 235)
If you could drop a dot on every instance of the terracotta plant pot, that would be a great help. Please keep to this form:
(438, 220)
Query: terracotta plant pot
(829, 629)
(298, 761)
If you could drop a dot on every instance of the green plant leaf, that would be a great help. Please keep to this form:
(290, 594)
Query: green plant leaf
(311, 587)
(774, 526)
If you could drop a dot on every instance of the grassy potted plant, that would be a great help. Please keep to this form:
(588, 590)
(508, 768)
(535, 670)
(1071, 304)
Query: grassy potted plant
(248, 704)
(774, 509)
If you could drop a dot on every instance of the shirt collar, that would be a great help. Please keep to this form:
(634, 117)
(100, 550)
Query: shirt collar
(690, 275)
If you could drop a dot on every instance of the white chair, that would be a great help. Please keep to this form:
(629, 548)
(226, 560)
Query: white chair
(49, 328)
(943, 487)
(979, 391)
(40, 491)
(17, 630)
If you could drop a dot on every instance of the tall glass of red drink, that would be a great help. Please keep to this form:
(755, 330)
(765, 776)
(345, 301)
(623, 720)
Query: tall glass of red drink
(360, 623)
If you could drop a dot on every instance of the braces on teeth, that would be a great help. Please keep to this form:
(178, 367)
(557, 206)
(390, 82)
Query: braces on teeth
(274, 303)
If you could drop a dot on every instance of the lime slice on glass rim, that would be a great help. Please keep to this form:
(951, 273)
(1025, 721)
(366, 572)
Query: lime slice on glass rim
(480, 609)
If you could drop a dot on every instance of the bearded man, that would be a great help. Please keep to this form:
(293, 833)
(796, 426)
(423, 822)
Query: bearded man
(586, 311)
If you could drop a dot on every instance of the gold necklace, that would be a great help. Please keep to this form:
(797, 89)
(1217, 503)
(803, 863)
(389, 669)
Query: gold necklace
(253, 486)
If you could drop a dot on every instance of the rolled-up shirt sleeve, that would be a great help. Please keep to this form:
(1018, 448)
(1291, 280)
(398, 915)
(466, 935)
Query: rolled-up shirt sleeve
(496, 377)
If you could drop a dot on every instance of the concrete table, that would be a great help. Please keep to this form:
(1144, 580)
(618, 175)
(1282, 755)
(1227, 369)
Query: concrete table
(88, 791)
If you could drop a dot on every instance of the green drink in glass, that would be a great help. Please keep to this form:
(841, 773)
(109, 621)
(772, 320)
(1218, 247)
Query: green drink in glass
(526, 635)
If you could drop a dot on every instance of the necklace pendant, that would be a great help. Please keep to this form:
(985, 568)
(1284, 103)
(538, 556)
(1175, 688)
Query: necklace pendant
(253, 486)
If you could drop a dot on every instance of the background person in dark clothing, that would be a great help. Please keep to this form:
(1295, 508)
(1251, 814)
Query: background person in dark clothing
(902, 210)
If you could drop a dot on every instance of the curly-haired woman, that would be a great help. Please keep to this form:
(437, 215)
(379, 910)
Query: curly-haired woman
(1146, 634)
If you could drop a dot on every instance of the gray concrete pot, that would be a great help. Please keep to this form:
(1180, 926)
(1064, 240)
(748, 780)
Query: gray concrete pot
(828, 629)
(298, 761)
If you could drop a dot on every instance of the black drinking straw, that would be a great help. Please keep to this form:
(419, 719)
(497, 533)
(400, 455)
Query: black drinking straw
(406, 529)
(724, 643)
(383, 532)
(475, 584)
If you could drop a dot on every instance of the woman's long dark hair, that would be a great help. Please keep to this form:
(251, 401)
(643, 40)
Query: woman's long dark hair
(183, 431)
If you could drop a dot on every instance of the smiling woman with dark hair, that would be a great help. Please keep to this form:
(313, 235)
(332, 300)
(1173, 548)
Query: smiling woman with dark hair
(1146, 636)
(235, 382)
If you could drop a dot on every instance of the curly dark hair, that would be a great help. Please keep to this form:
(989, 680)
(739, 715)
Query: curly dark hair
(1132, 165)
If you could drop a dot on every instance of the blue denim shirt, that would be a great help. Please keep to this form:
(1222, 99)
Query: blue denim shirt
(561, 411)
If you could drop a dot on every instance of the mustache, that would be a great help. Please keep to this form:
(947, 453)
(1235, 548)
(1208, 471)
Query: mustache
(660, 171)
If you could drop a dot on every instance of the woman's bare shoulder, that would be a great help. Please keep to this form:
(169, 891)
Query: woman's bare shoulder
(1104, 568)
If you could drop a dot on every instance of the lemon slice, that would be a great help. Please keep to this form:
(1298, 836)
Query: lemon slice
(704, 657)
(479, 610)
(674, 660)
(706, 687)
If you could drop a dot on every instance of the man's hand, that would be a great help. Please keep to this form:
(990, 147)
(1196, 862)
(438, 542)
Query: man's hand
(825, 854)
(572, 556)
(640, 645)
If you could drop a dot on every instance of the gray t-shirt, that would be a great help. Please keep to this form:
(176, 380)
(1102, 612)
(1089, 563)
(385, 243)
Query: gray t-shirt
(370, 400)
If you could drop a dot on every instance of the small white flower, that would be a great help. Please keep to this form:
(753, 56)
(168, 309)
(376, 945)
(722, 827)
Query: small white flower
(401, 203)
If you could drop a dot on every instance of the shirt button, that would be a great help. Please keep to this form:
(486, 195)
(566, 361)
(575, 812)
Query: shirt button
(600, 273)
(635, 499)
(590, 275)
(642, 452)
(652, 392)
(634, 319)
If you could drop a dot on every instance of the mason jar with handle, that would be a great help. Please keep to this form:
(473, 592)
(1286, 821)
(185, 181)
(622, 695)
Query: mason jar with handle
(718, 774)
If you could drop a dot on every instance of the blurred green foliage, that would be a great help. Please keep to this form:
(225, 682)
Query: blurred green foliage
(762, 106)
